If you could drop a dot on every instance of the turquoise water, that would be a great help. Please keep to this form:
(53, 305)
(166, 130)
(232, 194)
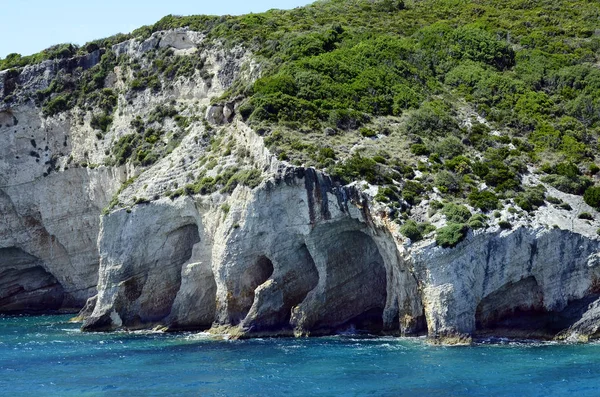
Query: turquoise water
(49, 356)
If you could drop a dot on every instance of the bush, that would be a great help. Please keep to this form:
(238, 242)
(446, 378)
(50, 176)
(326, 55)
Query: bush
(574, 185)
(553, 200)
(418, 149)
(447, 182)
(415, 231)
(411, 192)
(411, 230)
(101, 122)
(347, 119)
(452, 234)
(586, 215)
(387, 194)
(592, 196)
(485, 200)
(367, 132)
(431, 119)
(449, 147)
(58, 104)
(531, 198)
(456, 213)
(565, 206)
(478, 221)
(504, 225)
(459, 164)
(357, 167)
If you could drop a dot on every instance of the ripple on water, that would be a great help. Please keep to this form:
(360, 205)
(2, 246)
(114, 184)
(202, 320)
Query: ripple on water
(54, 353)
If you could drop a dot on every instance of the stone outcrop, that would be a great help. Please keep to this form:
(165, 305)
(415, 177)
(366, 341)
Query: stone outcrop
(266, 266)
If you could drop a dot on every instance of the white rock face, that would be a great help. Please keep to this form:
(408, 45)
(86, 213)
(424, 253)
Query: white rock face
(294, 255)
(492, 275)
(50, 216)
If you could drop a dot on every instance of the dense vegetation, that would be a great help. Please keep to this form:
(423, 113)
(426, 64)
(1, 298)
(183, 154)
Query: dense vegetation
(454, 97)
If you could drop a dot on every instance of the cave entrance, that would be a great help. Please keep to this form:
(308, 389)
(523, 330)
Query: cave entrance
(355, 285)
(25, 286)
(515, 310)
(256, 274)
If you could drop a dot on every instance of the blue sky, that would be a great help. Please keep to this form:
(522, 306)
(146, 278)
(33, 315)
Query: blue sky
(29, 26)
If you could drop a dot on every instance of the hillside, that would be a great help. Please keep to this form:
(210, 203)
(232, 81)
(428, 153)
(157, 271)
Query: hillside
(471, 126)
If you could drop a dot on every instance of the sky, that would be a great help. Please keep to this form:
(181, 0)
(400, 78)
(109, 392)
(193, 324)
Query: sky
(29, 26)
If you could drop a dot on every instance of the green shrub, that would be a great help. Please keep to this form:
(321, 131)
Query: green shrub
(412, 191)
(456, 213)
(478, 221)
(574, 185)
(431, 119)
(447, 182)
(484, 200)
(58, 104)
(459, 164)
(357, 167)
(592, 196)
(419, 149)
(586, 215)
(386, 194)
(531, 198)
(367, 132)
(450, 235)
(449, 147)
(415, 231)
(411, 230)
(347, 119)
(251, 178)
(565, 206)
(504, 225)
(553, 200)
(101, 122)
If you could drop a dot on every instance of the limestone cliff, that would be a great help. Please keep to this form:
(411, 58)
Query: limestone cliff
(277, 250)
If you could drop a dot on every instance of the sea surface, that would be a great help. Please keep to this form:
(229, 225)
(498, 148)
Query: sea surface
(48, 356)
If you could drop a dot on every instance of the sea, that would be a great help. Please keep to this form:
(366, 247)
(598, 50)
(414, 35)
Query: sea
(49, 356)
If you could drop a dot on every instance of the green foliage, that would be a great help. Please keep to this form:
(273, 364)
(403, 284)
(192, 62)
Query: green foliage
(478, 221)
(432, 119)
(412, 192)
(456, 213)
(459, 164)
(450, 235)
(250, 177)
(419, 149)
(592, 196)
(387, 194)
(449, 147)
(101, 122)
(226, 181)
(160, 112)
(58, 104)
(447, 182)
(411, 230)
(415, 231)
(358, 167)
(586, 215)
(484, 200)
(569, 184)
(531, 198)
(505, 225)
(528, 67)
